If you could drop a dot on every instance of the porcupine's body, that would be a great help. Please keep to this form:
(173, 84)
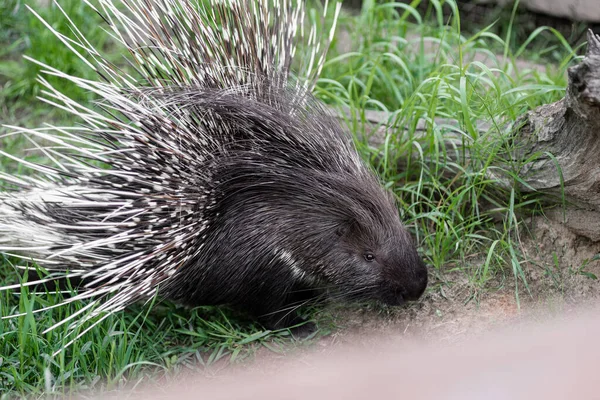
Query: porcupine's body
(220, 181)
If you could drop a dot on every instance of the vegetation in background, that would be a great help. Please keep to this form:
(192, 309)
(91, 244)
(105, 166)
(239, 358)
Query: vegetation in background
(523, 25)
(419, 67)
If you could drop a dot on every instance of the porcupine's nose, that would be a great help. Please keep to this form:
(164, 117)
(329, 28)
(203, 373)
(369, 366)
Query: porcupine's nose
(414, 289)
(405, 282)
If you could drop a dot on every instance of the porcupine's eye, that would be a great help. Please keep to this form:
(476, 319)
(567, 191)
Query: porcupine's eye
(369, 257)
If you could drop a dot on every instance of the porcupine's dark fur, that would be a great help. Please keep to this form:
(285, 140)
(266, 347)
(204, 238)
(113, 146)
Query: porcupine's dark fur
(227, 184)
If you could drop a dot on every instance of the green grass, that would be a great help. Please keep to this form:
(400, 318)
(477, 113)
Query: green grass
(158, 339)
(414, 66)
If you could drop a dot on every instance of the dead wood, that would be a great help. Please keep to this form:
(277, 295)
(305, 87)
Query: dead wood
(566, 135)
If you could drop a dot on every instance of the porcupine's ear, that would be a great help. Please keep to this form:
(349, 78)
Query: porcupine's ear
(347, 228)
(342, 230)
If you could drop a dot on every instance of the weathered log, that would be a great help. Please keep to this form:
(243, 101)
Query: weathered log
(566, 135)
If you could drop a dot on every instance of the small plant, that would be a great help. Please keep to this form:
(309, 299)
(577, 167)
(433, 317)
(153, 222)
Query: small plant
(581, 270)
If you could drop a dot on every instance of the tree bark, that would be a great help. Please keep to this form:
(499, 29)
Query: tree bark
(566, 134)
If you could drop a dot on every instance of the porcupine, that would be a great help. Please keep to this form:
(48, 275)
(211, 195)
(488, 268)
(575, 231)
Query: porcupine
(211, 175)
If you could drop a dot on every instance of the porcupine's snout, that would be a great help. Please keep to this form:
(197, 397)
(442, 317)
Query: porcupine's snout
(405, 280)
(417, 285)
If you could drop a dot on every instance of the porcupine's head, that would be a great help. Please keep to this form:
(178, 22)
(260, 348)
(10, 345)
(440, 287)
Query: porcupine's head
(372, 255)
(353, 240)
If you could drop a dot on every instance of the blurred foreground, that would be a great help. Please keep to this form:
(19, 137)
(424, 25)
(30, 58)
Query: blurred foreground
(555, 359)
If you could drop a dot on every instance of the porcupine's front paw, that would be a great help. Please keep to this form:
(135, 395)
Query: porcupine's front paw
(299, 327)
(302, 328)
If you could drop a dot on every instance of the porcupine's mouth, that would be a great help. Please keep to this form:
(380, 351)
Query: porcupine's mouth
(393, 298)
(400, 296)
